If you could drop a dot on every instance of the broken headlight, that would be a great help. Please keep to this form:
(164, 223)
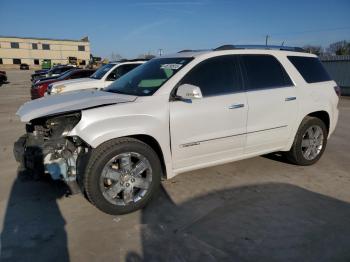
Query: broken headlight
(61, 125)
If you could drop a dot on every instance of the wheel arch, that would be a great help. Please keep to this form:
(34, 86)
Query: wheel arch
(154, 144)
(322, 115)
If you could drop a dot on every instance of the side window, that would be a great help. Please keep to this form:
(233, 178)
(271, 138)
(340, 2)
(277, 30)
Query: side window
(310, 68)
(216, 76)
(120, 70)
(264, 71)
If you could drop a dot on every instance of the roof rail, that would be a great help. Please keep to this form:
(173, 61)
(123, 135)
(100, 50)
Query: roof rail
(268, 47)
(131, 60)
(190, 50)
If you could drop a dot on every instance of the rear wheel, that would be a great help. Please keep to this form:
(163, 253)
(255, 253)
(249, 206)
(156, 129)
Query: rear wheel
(309, 143)
(122, 176)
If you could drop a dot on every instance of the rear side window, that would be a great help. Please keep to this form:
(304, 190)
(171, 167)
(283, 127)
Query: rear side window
(310, 68)
(264, 71)
(216, 76)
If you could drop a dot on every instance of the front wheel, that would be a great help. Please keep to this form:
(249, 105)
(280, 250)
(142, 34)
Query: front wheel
(309, 143)
(122, 176)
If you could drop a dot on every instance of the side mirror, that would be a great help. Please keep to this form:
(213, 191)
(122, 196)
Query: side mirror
(187, 91)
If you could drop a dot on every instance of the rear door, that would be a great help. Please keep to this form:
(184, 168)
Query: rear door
(272, 101)
(210, 129)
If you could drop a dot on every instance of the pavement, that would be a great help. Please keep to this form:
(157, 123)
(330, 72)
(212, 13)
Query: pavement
(259, 209)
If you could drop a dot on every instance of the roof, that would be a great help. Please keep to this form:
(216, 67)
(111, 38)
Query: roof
(84, 39)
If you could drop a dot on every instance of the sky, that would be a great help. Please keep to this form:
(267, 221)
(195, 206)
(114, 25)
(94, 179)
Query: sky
(131, 28)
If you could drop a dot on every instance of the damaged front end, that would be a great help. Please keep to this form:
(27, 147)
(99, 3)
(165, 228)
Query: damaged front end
(47, 148)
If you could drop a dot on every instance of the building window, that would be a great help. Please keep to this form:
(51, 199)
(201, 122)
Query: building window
(1, 61)
(16, 61)
(36, 62)
(81, 48)
(34, 46)
(14, 45)
(82, 62)
(46, 47)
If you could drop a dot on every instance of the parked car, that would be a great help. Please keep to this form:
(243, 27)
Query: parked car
(38, 81)
(3, 77)
(40, 87)
(55, 71)
(103, 77)
(179, 113)
(24, 67)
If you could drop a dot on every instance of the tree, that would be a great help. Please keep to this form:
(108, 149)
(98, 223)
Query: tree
(146, 56)
(340, 48)
(116, 57)
(317, 50)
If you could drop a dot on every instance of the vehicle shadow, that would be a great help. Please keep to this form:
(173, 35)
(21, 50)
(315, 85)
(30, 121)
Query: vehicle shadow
(33, 228)
(266, 222)
(277, 156)
(4, 83)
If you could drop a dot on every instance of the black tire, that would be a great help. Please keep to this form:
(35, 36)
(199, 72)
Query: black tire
(295, 155)
(101, 155)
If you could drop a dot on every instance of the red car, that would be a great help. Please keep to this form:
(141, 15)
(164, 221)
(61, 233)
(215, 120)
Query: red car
(38, 90)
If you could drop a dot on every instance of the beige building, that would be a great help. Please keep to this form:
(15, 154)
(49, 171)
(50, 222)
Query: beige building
(32, 51)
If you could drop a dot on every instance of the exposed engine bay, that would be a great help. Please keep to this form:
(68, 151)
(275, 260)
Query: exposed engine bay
(47, 148)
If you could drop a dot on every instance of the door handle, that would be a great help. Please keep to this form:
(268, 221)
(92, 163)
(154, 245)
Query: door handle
(235, 106)
(291, 98)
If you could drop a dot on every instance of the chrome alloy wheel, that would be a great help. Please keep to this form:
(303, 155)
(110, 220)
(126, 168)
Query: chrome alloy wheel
(312, 142)
(126, 178)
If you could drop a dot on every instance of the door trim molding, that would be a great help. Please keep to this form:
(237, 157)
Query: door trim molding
(196, 143)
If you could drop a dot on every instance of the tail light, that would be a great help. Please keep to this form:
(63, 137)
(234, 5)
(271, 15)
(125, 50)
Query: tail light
(337, 90)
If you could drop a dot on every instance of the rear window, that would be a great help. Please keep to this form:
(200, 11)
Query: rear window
(310, 68)
(264, 71)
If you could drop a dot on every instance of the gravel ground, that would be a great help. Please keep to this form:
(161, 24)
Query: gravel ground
(260, 209)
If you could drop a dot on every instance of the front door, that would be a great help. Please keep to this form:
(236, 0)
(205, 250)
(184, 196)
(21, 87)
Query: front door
(213, 128)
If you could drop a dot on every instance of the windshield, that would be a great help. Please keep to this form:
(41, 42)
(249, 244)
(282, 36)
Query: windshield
(102, 71)
(146, 79)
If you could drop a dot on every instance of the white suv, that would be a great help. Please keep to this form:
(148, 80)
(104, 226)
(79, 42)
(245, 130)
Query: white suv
(103, 77)
(178, 113)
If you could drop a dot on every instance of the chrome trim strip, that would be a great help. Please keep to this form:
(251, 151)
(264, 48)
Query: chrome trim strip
(198, 142)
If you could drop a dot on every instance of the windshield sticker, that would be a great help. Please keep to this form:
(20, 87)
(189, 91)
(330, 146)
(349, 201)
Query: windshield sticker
(171, 66)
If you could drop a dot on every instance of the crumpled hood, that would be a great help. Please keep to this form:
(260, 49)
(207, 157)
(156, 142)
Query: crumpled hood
(67, 102)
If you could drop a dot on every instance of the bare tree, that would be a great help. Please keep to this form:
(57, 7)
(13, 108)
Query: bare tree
(340, 48)
(116, 57)
(146, 56)
(317, 50)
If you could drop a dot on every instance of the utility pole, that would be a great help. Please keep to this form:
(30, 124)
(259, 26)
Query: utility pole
(160, 52)
(266, 39)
